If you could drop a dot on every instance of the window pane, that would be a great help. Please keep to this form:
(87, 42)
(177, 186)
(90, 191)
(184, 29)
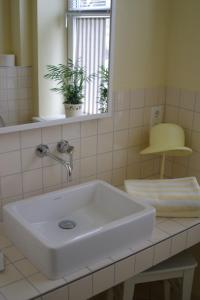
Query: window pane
(91, 49)
(88, 4)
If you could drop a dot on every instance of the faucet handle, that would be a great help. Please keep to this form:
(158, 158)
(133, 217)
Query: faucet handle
(42, 150)
(63, 146)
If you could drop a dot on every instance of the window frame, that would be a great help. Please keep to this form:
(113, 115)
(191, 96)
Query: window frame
(70, 45)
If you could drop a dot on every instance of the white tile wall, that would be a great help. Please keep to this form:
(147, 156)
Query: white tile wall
(32, 180)
(81, 289)
(51, 134)
(19, 290)
(13, 254)
(122, 100)
(103, 280)
(10, 163)
(144, 260)
(60, 294)
(183, 107)
(105, 142)
(25, 267)
(89, 146)
(16, 94)
(43, 284)
(124, 269)
(9, 276)
(170, 227)
(120, 139)
(77, 274)
(104, 162)
(121, 120)
(193, 236)
(107, 148)
(179, 243)
(105, 125)
(88, 128)
(136, 117)
(11, 186)
(162, 251)
(158, 235)
(30, 138)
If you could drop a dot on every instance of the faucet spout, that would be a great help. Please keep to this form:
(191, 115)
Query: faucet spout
(43, 150)
(68, 168)
(58, 159)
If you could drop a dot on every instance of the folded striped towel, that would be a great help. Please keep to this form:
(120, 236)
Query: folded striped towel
(178, 197)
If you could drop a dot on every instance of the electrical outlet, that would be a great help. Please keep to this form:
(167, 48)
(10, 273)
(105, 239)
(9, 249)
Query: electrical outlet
(156, 115)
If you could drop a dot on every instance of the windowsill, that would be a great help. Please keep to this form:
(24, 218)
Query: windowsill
(47, 123)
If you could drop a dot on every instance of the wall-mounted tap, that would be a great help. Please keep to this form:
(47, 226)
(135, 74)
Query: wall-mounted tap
(43, 150)
(64, 147)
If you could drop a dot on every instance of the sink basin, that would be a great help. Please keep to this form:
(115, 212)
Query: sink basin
(63, 231)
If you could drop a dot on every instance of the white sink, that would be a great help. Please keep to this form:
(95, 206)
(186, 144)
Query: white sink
(107, 221)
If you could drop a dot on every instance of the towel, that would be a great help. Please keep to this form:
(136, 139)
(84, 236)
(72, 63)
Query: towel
(178, 197)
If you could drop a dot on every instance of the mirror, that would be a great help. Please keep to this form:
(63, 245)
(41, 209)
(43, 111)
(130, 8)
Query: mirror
(51, 32)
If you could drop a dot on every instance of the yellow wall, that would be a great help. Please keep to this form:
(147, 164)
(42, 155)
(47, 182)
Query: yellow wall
(35, 59)
(51, 49)
(183, 66)
(5, 27)
(141, 40)
(26, 32)
(140, 49)
(16, 30)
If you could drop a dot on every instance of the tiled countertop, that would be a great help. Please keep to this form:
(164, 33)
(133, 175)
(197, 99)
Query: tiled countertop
(22, 281)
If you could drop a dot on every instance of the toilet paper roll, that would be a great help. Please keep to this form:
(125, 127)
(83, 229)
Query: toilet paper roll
(7, 60)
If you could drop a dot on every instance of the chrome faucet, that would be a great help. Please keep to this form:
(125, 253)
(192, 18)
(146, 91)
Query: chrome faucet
(64, 147)
(43, 150)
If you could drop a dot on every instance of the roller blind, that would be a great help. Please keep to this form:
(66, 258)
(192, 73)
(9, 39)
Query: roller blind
(89, 36)
(92, 51)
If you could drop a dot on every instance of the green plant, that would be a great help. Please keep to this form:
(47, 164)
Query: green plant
(103, 89)
(71, 79)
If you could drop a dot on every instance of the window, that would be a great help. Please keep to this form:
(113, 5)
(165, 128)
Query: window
(88, 23)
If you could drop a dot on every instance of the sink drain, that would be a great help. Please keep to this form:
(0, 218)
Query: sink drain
(67, 224)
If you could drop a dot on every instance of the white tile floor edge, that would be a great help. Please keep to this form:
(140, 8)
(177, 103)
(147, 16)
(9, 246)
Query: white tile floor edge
(22, 281)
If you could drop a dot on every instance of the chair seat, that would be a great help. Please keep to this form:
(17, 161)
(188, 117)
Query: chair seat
(179, 266)
(179, 262)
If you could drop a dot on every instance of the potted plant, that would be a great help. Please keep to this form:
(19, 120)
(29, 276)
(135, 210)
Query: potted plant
(71, 79)
(103, 89)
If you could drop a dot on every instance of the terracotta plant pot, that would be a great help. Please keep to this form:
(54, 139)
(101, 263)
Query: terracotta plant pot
(73, 110)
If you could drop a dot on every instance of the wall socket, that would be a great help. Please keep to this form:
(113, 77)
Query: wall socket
(156, 115)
